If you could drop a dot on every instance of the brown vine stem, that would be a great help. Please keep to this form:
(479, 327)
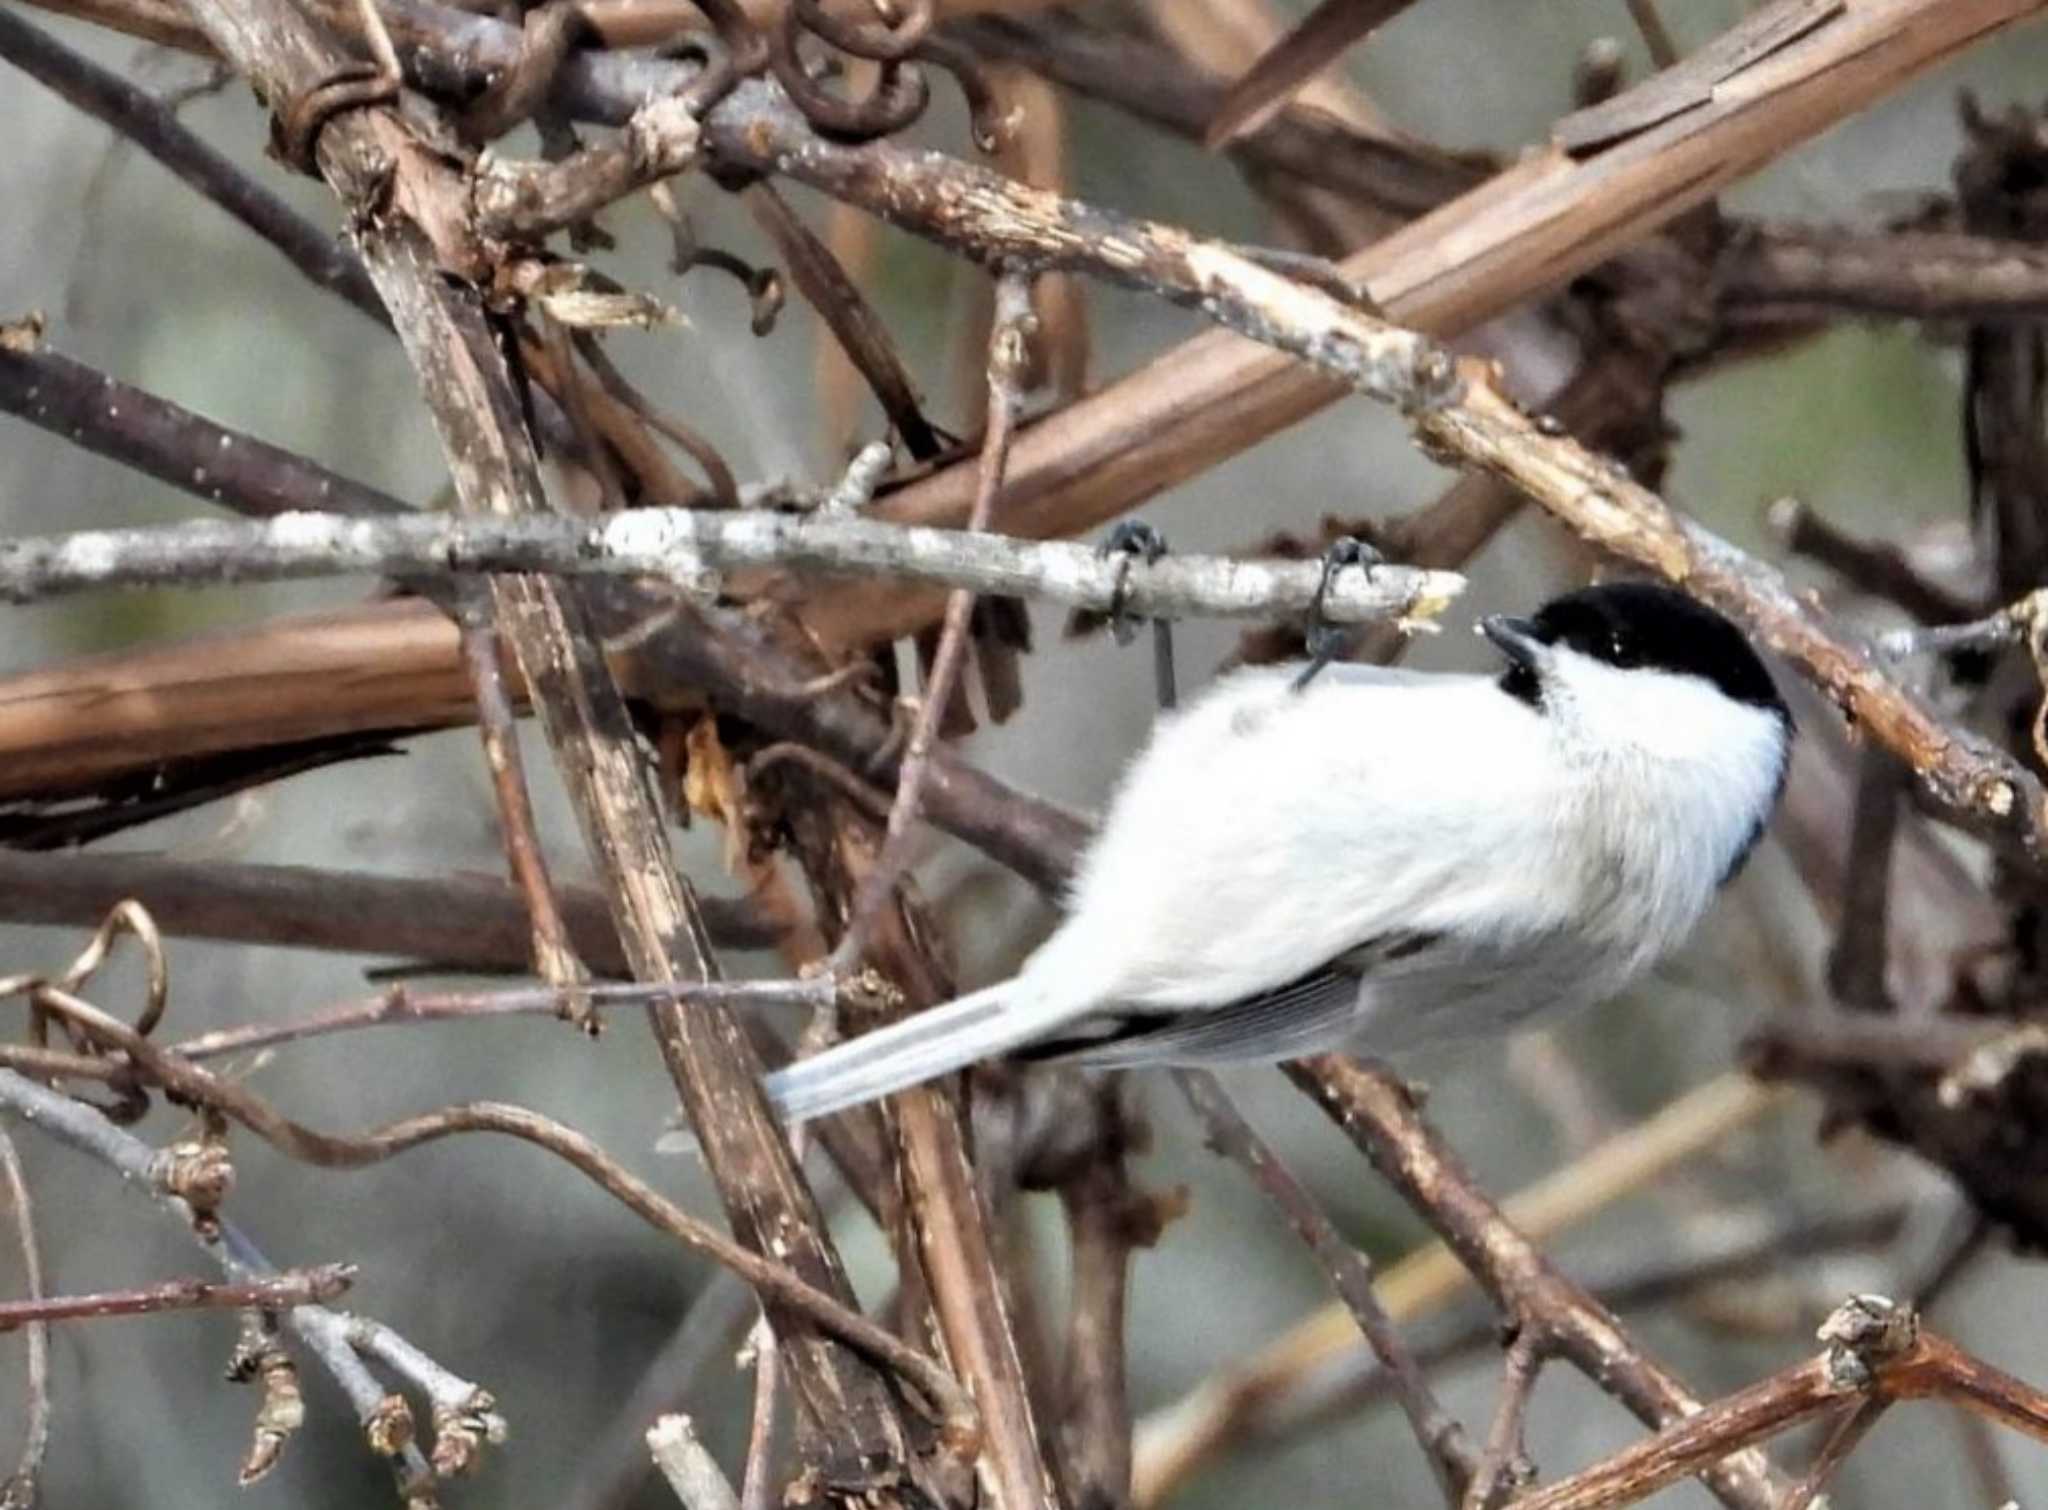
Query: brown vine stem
(459, 921)
(288, 1287)
(554, 954)
(411, 214)
(949, 1256)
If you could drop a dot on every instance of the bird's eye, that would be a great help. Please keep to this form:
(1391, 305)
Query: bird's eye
(1621, 650)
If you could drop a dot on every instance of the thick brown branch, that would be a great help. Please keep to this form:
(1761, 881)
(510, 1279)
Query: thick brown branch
(553, 953)
(459, 922)
(954, 1254)
(412, 212)
(1927, 275)
(1904, 1362)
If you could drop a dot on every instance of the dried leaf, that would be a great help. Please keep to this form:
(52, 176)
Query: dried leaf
(24, 335)
(714, 787)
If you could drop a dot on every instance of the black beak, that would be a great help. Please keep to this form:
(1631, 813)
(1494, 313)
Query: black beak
(1517, 639)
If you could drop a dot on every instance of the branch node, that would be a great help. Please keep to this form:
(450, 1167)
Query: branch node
(1863, 1332)
(389, 1428)
(463, 1429)
(200, 1174)
(258, 1356)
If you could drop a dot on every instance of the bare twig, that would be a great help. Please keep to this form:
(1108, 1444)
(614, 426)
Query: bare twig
(554, 954)
(757, 1482)
(23, 1485)
(699, 1483)
(1861, 957)
(1008, 356)
(260, 1358)
(614, 1462)
(688, 547)
(1634, 1158)
(530, 201)
(1438, 1432)
(1108, 1218)
(1313, 45)
(1663, 51)
(847, 313)
(1310, 143)
(2014, 624)
(465, 1416)
(1869, 566)
(1842, 1439)
(1503, 1466)
(1373, 1108)
(855, 489)
(699, 449)
(171, 443)
(401, 1004)
(154, 125)
(1877, 1354)
(288, 1287)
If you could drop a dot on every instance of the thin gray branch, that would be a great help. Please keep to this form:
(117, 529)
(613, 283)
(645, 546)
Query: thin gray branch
(688, 1466)
(692, 548)
(147, 1171)
(856, 488)
(24, 1483)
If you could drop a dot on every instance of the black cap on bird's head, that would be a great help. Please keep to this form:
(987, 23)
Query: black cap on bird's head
(1634, 626)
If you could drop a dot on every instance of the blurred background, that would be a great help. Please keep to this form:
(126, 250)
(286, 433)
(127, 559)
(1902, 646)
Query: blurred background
(518, 1274)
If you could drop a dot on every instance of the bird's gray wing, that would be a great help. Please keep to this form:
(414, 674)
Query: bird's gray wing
(1316, 1012)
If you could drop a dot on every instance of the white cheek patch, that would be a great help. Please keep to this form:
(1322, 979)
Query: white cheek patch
(1692, 750)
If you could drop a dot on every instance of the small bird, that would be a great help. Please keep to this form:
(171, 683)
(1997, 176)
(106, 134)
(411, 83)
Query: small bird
(1378, 859)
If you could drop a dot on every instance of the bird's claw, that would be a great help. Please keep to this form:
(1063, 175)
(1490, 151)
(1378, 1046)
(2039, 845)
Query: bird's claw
(1137, 540)
(1326, 641)
(1141, 541)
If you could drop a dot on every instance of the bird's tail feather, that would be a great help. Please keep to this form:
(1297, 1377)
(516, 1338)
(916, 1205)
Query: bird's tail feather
(919, 1048)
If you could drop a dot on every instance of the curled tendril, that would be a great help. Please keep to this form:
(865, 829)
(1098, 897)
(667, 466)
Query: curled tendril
(992, 121)
(745, 45)
(878, 41)
(720, 70)
(898, 98)
(50, 1000)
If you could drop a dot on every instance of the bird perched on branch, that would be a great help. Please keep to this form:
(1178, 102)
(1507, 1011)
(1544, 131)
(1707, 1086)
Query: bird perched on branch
(1370, 859)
